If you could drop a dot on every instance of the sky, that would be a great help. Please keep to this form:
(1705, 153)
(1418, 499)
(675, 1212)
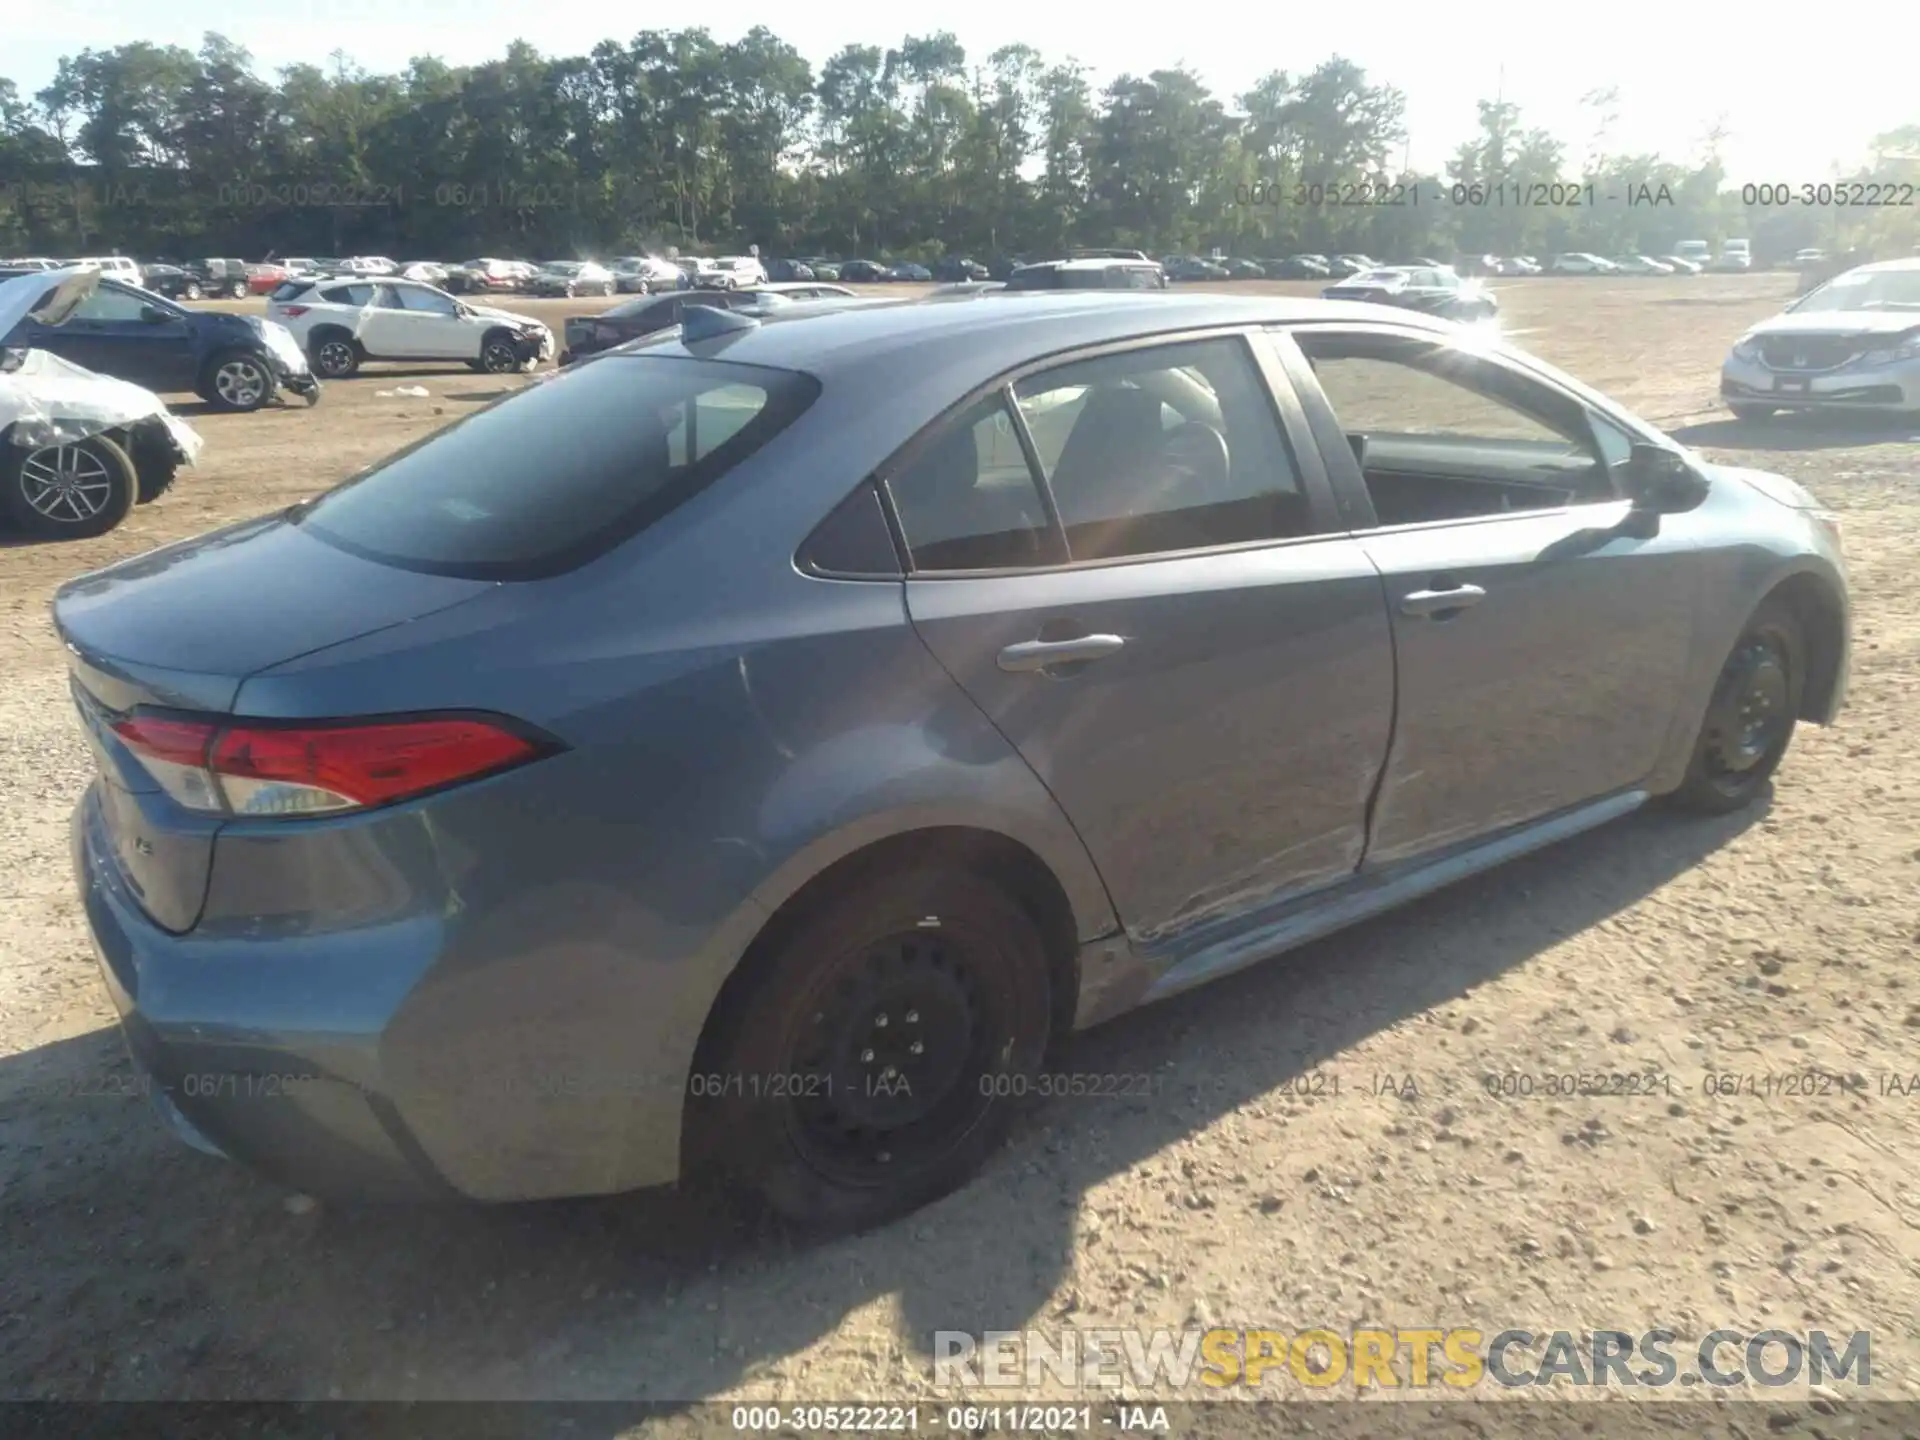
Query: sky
(1796, 97)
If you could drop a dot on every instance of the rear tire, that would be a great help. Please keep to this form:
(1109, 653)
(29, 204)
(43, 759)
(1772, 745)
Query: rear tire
(333, 353)
(874, 1060)
(237, 290)
(1751, 412)
(1750, 719)
(66, 492)
(192, 292)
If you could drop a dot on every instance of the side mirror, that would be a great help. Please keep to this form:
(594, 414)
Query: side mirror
(1660, 481)
(154, 315)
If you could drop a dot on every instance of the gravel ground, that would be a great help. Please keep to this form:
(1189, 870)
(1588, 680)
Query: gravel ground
(1245, 1192)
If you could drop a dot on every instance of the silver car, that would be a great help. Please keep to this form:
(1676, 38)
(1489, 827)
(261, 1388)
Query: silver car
(762, 785)
(1853, 344)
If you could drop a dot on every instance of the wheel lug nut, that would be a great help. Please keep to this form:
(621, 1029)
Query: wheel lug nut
(866, 1057)
(888, 1073)
(880, 1022)
(884, 1156)
(916, 1048)
(913, 1017)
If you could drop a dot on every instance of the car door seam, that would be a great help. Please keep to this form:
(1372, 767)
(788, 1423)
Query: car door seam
(1393, 707)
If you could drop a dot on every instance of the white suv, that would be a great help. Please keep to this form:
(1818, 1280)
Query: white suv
(343, 322)
(731, 272)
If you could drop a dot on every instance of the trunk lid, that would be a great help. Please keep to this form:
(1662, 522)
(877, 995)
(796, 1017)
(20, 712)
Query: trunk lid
(181, 628)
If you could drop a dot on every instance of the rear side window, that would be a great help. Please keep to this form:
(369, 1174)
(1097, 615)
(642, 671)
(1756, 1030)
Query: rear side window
(1037, 277)
(349, 295)
(494, 497)
(968, 500)
(289, 289)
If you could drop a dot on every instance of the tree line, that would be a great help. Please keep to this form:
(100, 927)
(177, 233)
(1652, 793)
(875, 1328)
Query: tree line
(676, 139)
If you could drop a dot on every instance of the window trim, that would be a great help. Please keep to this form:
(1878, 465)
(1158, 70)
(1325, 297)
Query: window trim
(1289, 421)
(1331, 436)
(804, 562)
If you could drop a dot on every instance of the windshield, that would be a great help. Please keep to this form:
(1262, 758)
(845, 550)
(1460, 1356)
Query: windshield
(1865, 290)
(1382, 277)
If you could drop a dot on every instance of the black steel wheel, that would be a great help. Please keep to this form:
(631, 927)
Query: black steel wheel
(1750, 719)
(870, 1062)
(499, 355)
(333, 354)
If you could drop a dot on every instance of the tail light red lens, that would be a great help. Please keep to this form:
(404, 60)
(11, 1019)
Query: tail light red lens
(293, 312)
(264, 770)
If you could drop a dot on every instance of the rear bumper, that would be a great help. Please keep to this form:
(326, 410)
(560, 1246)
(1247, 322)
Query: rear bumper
(354, 1065)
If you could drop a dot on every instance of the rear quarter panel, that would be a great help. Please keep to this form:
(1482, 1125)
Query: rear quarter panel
(735, 728)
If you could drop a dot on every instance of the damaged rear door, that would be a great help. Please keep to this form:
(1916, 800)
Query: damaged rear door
(1138, 578)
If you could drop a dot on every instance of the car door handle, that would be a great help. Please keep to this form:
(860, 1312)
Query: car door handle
(1438, 602)
(1045, 654)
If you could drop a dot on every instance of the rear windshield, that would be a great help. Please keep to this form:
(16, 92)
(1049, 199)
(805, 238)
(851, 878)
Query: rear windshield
(562, 471)
(287, 289)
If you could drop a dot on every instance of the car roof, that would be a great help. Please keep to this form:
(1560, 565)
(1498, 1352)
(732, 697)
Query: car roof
(1091, 262)
(1909, 262)
(865, 340)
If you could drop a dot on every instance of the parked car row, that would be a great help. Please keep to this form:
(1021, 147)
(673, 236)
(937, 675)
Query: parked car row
(1433, 290)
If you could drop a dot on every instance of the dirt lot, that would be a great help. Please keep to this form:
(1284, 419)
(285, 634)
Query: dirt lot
(1771, 942)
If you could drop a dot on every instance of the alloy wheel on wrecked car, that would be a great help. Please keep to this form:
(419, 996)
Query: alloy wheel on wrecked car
(65, 483)
(239, 382)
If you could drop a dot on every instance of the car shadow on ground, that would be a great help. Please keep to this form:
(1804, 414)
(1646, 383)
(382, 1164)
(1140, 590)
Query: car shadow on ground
(242, 1292)
(1801, 432)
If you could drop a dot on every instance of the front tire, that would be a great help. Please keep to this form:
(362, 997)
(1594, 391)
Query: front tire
(1750, 719)
(192, 292)
(238, 381)
(1751, 412)
(877, 1056)
(499, 355)
(67, 492)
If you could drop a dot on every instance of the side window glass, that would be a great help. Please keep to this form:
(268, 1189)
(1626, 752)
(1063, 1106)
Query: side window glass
(969, 501)
(425, 302)
(391, 297)
(1175, 447)
(110, 305)
(1445, 436)
(1616, 445)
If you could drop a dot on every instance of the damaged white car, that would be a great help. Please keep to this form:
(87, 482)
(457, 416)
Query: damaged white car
(77, 450)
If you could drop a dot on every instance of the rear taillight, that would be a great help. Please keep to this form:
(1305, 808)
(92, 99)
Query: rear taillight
(292, 312)
(255, 769)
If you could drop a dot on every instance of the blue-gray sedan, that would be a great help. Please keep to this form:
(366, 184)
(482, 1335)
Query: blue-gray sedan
(749, 753)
